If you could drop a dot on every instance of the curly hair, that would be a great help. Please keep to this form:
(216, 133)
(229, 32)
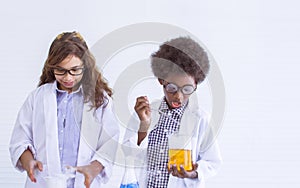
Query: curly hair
(93, 83)
(180, 55)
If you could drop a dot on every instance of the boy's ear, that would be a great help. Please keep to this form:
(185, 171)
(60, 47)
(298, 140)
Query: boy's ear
(161, 81)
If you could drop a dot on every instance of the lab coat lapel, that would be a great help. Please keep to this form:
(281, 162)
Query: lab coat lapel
(89, 135)
(189, 126)
(50, 115)
(189, 123)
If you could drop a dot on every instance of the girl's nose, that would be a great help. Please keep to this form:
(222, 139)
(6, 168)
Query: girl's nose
(68, 76)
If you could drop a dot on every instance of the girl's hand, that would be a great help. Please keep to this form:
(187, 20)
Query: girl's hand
(183, 173)
(90, 172)
(30, 164)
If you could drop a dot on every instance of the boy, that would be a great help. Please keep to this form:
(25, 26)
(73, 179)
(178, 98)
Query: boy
(179, 64)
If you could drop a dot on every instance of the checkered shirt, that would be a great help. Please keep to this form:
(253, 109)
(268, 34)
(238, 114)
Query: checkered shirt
(157, 151)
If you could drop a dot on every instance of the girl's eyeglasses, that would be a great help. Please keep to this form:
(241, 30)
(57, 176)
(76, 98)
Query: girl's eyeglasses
(74, 71)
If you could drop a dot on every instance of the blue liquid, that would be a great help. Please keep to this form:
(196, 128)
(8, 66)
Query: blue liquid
(131, 185)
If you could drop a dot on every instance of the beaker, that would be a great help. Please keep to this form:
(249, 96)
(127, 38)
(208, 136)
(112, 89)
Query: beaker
(180, 151)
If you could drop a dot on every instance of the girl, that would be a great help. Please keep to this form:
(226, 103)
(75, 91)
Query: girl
(68, 120)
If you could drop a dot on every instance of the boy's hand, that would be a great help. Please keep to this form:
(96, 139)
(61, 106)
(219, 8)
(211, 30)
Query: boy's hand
(142, 108)
(183, 173)
(90, 172)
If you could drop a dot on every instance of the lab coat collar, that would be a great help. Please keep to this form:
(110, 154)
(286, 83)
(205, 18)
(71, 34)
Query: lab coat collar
(50, 115)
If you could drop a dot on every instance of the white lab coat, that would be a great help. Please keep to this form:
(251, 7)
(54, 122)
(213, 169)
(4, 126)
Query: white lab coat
(205, 150)
(36, 128)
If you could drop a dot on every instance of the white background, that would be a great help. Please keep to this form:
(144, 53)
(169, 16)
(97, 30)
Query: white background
(256, 46)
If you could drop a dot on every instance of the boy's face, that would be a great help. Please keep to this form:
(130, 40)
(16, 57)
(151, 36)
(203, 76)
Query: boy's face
(183, 82)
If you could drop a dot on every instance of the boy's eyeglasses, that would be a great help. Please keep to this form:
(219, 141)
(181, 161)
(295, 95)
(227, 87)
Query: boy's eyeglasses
(73, 71)
(173, 88)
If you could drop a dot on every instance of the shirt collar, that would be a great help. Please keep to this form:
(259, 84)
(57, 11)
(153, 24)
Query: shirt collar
(79, 90)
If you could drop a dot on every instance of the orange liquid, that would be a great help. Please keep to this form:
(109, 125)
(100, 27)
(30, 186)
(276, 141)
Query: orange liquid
(180, 157)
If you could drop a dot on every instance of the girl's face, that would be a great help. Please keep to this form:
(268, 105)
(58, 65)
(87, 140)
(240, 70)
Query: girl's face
(69, 73)
(184, 83)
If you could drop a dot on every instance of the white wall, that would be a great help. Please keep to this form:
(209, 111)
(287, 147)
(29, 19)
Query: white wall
(256, 46)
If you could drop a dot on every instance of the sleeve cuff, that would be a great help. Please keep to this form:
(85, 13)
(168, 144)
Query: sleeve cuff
(104, 175)
(19, 152)
(196, 182)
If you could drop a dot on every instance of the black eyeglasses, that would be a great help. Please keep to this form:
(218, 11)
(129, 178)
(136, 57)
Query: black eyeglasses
(73, 71)
(173, 88)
